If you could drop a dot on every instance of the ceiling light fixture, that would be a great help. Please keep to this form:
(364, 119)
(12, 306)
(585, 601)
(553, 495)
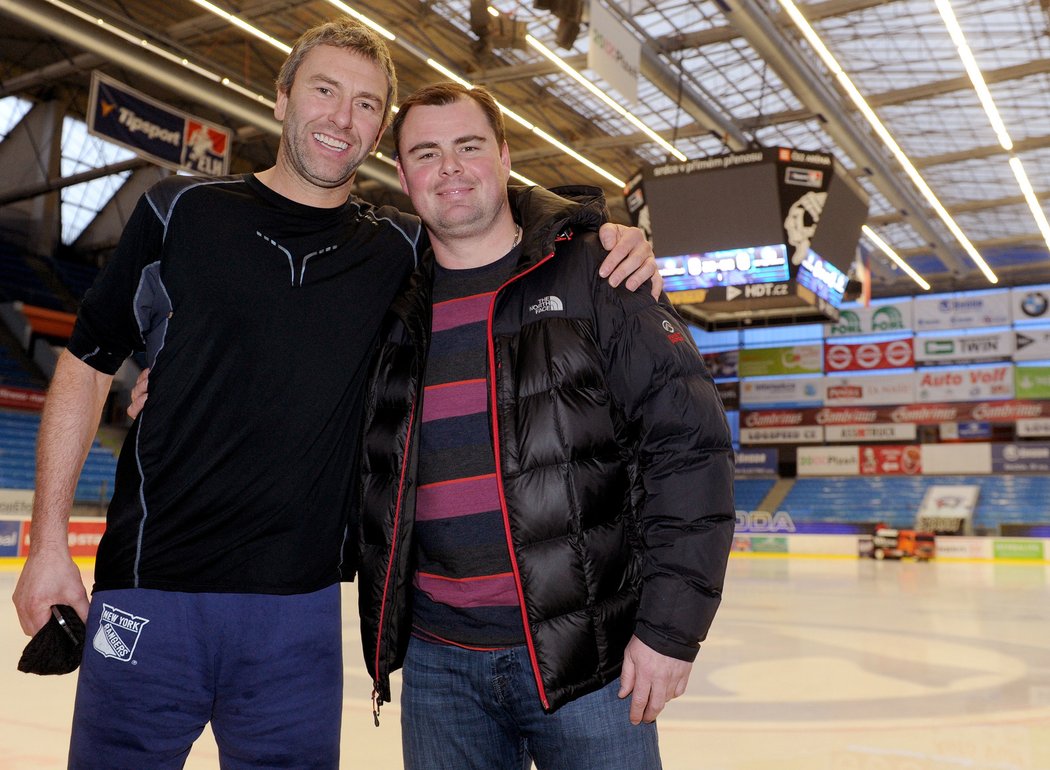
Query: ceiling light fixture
(884, 247)
(363, 19)
(976, 76)
(1029, 196)
(883, 133)
(604, 97)
(235, 21)
(985, 97)
(158, 51)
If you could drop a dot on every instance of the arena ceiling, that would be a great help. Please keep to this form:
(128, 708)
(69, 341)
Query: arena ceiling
(715, 76)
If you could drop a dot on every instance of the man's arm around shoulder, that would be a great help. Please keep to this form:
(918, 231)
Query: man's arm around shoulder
(67, 428)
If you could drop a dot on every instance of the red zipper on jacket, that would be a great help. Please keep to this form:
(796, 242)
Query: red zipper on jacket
(377, 701)
(499, 483)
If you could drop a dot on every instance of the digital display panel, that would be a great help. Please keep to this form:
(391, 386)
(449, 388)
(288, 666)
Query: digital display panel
(822, 278)
(729, 267)
(732, 207)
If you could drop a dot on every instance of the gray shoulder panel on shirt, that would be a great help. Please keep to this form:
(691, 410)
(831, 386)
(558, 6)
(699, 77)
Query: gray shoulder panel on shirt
(409, 225)
(165, 194)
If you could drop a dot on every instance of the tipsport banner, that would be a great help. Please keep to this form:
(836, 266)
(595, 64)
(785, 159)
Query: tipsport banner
(154, 130)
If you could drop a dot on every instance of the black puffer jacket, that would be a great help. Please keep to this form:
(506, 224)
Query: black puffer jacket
(614, 457)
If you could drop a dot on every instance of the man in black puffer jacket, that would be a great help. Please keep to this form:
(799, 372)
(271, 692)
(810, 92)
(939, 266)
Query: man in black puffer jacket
(547, 474)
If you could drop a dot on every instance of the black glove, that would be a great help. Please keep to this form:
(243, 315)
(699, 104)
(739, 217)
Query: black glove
(58, 646)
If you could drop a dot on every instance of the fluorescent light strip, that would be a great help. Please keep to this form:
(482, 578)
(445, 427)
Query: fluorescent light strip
(523, 122)
(976, 77)
(1029, 196)
(162, 52)
(628, 116)
(449, 73)
(573, 154)
(885, 249)
(363, 19)
(909, 168)
(985, 96)
(235, 21)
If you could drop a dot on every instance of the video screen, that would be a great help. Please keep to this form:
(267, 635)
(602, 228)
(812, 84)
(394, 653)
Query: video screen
(729, 267)
(822, 278)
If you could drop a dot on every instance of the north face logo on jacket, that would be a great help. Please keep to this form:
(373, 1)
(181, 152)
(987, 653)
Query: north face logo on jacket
(547, 305)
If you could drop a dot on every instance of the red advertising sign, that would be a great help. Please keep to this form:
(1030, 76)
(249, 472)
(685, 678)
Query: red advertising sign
(1000, 412)
(84, 537)
(1007, 411)
(897, 460)
(21, 398)
(851, 415)
(1004, 412)
(842, 415)
(777, 418)
(868, 356)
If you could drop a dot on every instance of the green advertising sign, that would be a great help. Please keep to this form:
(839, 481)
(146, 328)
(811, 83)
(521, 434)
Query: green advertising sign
(796, 359)
(1019, 550)
(769, 544)
(1032, 382)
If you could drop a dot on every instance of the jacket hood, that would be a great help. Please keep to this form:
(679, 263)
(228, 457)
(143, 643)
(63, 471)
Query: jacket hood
(545, 214)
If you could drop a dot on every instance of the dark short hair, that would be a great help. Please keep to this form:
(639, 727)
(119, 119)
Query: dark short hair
(441, 94)
(351, 35)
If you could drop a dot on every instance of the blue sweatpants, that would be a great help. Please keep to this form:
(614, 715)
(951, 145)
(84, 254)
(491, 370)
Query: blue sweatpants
(266, 671)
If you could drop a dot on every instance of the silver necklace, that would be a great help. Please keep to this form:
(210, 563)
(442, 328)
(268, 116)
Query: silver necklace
(517, 235)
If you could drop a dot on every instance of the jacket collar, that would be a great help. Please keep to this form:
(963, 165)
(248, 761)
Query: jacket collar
(545, 215)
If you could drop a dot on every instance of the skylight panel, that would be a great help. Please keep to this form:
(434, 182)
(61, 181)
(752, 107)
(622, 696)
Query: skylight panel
(82, 152)
(1024, 105)
(12, 110)
(1014, 220)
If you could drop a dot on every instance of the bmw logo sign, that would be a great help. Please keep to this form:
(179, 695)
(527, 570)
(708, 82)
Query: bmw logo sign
(1034, 304)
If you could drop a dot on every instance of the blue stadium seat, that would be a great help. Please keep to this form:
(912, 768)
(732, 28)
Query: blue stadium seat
(18, 459)
(18, 281)
(13, 373)
(751, 492)
(896, 499)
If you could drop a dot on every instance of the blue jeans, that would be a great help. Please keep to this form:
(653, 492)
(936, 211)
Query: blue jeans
(266, 671)
(463, 709)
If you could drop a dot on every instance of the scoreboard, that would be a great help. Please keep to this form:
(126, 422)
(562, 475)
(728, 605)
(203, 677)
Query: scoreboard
(758, 237)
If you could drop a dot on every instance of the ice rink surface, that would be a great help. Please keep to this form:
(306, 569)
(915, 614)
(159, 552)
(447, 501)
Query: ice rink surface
(812, 664)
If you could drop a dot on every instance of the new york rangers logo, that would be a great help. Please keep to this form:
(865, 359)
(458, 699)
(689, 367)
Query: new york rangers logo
(118, 633)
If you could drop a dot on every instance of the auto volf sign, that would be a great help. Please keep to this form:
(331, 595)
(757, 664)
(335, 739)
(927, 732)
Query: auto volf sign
(156, 131)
